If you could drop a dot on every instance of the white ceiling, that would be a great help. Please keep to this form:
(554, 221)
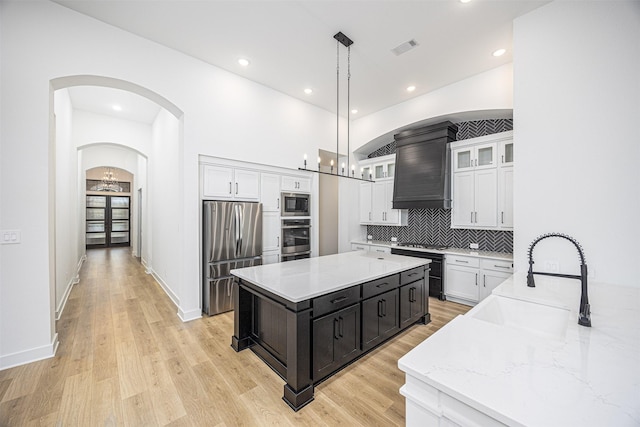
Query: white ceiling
(291, 47)
(101, 100)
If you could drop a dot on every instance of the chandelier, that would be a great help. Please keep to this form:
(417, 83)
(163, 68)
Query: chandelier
(109, 182)
(345, 41)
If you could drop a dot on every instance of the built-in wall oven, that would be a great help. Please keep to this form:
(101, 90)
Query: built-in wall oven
(294, 204)
(296, 238)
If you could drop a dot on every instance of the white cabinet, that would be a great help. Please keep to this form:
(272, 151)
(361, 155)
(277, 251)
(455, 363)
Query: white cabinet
(493, 272)
(270, 192)
(378, 168)
(461, 279)
(222, 182)
(365, 203)
(296, 184)
(270, 257)
(370, 248)
(505, 197)
(469, 280)
(482, 186)
(376, 201)
(270, 231)
(481, 156)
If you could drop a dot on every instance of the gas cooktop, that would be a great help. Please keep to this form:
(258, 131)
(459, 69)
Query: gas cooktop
(423, 246)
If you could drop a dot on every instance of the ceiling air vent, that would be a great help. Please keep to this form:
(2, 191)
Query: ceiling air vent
(404, 47)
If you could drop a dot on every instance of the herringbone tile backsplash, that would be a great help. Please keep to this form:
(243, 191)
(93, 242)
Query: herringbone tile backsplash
(433, 226)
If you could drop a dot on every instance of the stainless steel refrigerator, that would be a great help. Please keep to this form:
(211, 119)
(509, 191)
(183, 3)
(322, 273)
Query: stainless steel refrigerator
(232, 239)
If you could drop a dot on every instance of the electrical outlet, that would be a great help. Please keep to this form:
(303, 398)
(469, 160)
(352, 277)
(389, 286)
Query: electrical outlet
(473, 246)
(369, 237)
(394, 239)
(552, 266)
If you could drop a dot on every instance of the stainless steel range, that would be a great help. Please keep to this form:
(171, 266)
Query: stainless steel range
(436, 272)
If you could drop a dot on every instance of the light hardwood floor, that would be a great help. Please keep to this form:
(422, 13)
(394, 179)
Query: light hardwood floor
(126, 359)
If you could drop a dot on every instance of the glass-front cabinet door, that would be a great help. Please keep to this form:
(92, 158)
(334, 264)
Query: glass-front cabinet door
(477, 157)
(506, 152)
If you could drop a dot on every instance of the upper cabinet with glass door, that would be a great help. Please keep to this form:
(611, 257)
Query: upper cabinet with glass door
(506, 152)
(475, 157)
(378, 168)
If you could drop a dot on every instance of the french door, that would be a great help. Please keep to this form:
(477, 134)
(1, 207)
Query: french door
(108, 221)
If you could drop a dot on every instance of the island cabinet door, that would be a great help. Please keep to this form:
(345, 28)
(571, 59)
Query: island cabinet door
(336, 340)
(411, 303)
(379, 318)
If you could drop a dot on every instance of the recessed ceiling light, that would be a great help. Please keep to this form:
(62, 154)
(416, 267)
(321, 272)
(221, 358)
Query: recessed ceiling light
(308, 91)
(244, 62)
(411, 88)
(354, 111)
(116, 107)
(465, 1)
(499, 52)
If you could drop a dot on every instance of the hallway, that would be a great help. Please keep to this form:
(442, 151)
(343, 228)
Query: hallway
(125, 358)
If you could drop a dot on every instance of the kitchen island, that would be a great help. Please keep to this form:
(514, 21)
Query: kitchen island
(520, 358)
(309, 318)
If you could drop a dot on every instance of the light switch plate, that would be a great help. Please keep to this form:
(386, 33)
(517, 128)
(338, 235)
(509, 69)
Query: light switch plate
(9, 237)
(394, 239)
(473, 246)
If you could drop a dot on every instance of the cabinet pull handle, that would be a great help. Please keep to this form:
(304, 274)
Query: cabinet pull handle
(335, 329)
(502, 217)
(412, 274)
(501, 266)
(379, 308)
(278, 203)
(412, 294)
(459, 260)
(382, 284)
(337, 300)
(229, 187)
(236, 188)
(384, 308)
(471, 216)
(476, 279)
(341, 327)
(503, 158)
(278, 237)
(484, 280)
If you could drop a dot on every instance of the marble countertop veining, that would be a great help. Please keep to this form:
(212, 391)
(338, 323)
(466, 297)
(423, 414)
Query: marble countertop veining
(303, 279)
(451, 251)
(583, 376)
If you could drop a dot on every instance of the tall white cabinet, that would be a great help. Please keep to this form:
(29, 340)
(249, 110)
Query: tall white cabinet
(482, 182)
(376, 198)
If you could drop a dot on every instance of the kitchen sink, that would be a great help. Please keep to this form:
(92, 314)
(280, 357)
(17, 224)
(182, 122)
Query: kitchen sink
(542, 320)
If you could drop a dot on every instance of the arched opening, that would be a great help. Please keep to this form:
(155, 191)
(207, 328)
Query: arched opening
(82, 139)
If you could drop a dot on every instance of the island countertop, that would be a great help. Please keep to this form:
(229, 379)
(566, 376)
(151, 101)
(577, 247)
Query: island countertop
(583, 376)
(303, 279)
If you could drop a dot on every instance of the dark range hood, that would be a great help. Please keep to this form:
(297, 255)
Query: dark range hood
(422, 176)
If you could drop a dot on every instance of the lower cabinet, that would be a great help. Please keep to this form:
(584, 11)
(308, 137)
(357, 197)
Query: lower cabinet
(379, 318)
(336, 340)
(411, 303)
(469, 280)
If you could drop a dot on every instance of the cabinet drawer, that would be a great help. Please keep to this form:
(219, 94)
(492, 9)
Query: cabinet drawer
(336, 300)
(497, 265)
(359, 247)
(411, 275)
(379, 286)
(380, 249)
(462, 261)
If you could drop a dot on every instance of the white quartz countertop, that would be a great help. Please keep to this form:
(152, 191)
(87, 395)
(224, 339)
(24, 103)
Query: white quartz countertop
(574, 376)
(303, 279)
(451, 251)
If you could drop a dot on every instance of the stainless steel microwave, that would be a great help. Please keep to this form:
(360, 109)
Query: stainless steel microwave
(295, 204)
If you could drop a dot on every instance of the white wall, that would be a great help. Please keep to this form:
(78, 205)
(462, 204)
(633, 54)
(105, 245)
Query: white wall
(164, 205)
(89, 128)
(576, 108)
(224, 115)
(68, 258)
(491, 90)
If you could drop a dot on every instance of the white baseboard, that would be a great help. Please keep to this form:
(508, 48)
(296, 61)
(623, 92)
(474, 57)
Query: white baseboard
(67, 292)
(187, 316)
(27, 356)
(167, 290)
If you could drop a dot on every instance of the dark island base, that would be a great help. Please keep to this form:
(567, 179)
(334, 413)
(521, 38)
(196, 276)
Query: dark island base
(307, 342)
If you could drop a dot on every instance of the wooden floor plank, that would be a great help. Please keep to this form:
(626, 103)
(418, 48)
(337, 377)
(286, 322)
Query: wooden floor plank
(126, 359)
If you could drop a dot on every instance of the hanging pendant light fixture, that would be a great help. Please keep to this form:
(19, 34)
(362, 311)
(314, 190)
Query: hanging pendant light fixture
(341, 39)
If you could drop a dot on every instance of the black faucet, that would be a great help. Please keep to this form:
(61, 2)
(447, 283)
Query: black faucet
(584, 317)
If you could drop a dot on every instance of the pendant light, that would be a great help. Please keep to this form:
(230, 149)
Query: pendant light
(341, 39)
